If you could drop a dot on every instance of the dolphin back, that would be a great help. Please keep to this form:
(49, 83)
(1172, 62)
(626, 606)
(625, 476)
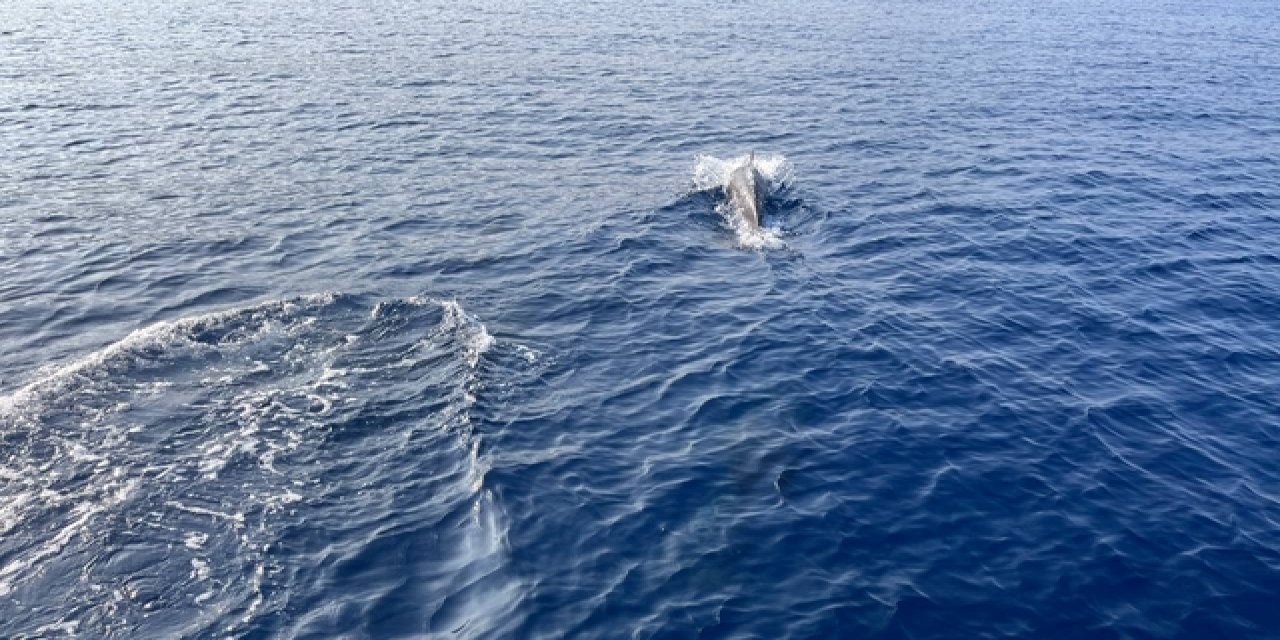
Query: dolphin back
(746, 191)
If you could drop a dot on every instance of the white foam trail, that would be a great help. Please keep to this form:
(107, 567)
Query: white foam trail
(235, 518)
(712, 174)
(161, 334)
(89, 469)
(68, 628)
(81, 514)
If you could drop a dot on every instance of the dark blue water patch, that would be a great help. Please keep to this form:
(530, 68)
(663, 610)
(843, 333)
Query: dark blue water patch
(1007, 371)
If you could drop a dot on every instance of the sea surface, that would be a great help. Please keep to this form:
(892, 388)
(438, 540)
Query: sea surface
(401, 318)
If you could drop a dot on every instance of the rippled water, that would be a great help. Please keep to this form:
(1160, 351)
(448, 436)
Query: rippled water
(414, 319)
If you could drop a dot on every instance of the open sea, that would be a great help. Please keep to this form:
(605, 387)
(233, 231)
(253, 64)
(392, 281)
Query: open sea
(420, 319)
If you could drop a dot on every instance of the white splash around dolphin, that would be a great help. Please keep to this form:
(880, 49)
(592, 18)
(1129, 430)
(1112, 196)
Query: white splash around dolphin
(713, 174)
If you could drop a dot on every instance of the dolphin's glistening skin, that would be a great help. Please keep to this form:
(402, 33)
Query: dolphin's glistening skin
(747, 190)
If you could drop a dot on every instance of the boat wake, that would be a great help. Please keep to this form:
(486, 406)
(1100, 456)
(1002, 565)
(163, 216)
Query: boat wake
(197, 467)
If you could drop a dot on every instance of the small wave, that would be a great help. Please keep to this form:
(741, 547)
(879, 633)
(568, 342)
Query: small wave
(477, 337)
(711, 174)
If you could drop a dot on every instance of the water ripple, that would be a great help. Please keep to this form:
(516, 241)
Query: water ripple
(1009, 370)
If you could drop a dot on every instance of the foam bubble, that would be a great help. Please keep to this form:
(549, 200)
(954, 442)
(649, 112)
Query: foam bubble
(199, 569)
(195, 539)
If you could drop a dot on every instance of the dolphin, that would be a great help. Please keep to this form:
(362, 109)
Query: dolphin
(747, 190)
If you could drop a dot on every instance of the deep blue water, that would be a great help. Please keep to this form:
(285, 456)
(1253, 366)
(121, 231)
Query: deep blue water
(395, 319)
